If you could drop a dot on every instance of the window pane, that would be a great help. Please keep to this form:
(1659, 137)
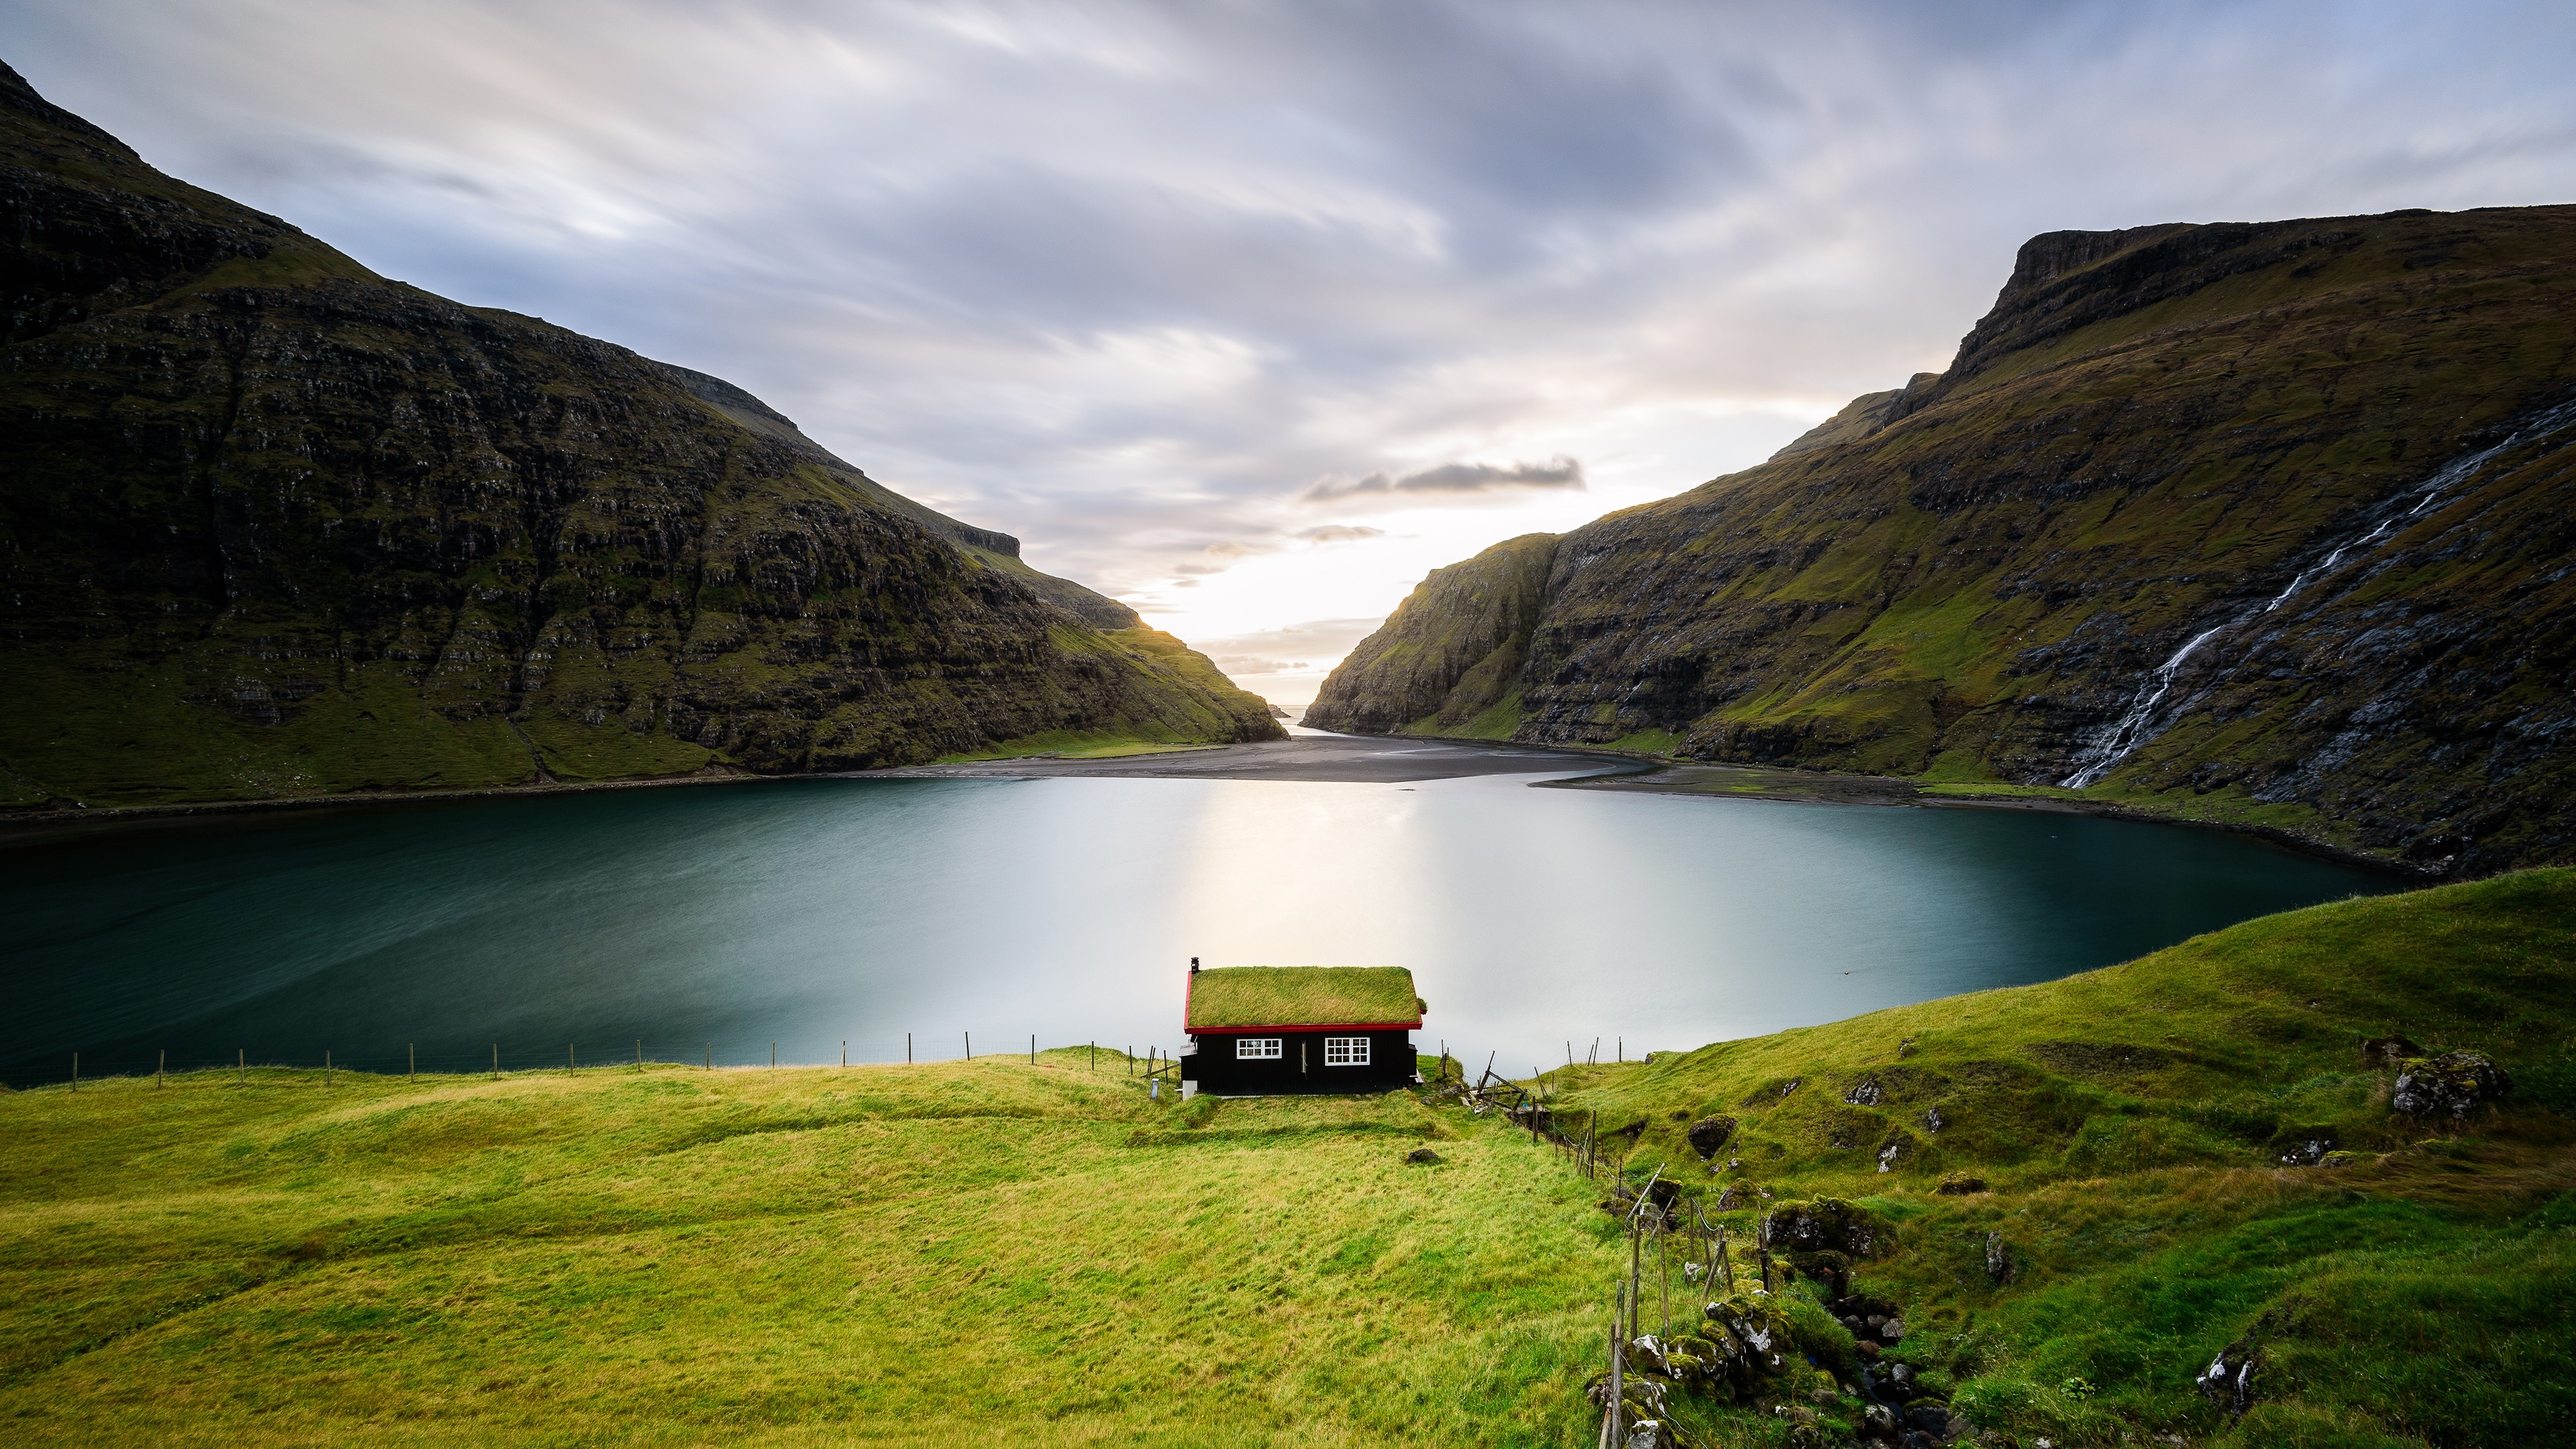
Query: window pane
(1250, 1048)
(1346, 1051)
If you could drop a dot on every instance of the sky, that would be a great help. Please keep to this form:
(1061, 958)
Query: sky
(1251, 314)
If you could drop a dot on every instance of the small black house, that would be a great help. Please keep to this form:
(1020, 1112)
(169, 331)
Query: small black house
(1259, 1031)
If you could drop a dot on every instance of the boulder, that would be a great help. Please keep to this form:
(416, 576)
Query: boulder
(1709, 1134)
(1867, 1094)
(2452, 1085)
(1422, 1154)
(1933, 1121)
(1960, 1184)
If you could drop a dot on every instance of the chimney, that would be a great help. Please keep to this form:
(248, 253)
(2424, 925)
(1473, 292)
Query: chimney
(1194, 965)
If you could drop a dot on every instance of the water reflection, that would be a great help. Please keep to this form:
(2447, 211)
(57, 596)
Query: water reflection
(718, 920)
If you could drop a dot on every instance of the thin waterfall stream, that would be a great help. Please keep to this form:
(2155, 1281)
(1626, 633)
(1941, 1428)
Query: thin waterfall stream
(2140, 722)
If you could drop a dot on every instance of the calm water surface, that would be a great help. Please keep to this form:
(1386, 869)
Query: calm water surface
(813, 912)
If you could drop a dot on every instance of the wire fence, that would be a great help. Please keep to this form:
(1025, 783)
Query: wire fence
(73, 1068)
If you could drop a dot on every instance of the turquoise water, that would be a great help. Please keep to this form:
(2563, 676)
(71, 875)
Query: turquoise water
(718, 920)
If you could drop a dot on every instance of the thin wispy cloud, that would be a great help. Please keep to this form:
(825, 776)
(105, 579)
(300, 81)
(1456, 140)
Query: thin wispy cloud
(1449, 481)
(1123, 278)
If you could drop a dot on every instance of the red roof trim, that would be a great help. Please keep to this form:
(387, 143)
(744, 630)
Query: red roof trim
(1413, 1025)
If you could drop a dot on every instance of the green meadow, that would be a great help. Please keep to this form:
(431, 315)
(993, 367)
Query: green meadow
(1002, 1251)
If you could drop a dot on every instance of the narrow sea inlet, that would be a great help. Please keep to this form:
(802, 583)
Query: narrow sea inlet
(710, 923)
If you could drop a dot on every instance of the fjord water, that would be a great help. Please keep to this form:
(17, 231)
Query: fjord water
(718, 920)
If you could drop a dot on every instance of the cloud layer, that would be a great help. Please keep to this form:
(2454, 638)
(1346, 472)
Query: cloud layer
(1449, 480)
(1166, 288)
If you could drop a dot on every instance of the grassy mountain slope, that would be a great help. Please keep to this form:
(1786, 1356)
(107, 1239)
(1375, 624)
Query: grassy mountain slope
(2130, 1124)
(271, 525)
(2153, 433)
(961, 1252)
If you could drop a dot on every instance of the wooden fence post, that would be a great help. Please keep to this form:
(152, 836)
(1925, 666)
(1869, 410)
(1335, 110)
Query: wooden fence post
(970, 1046)
(907, 1049)
(241, 1067)
(326, 1066)
(76, 1071)
(568, 1058)
(1033, 1049)
(411, 1053)
(163, 1070)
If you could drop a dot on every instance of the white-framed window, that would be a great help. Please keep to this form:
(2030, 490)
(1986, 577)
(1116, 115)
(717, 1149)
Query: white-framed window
(1346, 1051)
(1256, 1048)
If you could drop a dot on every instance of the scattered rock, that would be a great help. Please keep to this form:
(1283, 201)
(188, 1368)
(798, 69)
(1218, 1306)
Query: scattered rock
(1709, 1134)
(1867, 1094)
(1868, 1347)
(2000, 1267)
(2308, 1152)
(1933, 1121)
(2388, 1051)
(1960, 1184)
(1422, 1154)
(1905, 1048)
(2228, 1382)
(1892, 1331)
(2450, 1085)
(1933, 1419)
(1726, 1201)
(1896, 1150)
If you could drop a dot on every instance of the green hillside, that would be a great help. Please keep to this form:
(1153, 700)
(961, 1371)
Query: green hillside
(274, 526)
(1038, 1253)
(2154, 433)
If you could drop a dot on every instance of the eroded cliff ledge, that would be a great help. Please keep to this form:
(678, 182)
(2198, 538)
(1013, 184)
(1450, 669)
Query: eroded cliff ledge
(2155, 433)
(273, 525)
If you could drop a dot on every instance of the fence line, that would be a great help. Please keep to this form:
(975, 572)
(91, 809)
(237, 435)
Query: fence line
(85, 1068)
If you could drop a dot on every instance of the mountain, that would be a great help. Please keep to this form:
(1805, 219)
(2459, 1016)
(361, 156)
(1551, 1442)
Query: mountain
(272, 525)
(2268, 522)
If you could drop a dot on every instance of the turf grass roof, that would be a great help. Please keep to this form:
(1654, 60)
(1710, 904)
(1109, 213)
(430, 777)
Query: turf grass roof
(1252, 996)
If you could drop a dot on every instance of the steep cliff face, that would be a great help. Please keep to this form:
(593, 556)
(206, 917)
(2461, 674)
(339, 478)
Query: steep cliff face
(270, 524)
(2152, 438)
(1449, 661)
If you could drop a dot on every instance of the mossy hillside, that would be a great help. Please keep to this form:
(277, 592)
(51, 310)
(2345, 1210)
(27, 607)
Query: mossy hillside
(277, 527)
(926, 1255)
(2128, 1128)
(2127, 452)
(1448, 660)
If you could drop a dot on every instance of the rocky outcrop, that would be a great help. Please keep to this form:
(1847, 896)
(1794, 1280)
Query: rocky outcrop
(2151, 439)
(273, 525)
(2451, 1085)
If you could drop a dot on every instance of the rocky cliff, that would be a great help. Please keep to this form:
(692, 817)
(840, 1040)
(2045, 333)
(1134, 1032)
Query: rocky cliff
(273, 525)
(2277, 518)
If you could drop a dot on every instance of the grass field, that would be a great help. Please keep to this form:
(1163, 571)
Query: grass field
(1001, 1252)
(980, 1252)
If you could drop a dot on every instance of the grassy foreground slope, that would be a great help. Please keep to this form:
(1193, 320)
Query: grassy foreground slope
(2130, 1125)
(959, 1253)
(1001, 1252)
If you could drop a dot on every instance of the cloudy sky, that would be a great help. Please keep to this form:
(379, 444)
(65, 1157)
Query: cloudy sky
(1253, 313)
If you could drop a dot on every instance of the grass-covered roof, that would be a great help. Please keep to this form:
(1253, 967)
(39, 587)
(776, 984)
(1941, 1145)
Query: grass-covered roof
(1303, 996)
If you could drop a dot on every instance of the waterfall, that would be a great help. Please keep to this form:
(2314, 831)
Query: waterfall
(2139, 723)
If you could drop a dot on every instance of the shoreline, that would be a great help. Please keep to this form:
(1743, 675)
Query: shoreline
(1834, 787)
(1357, 759)
(34, 825)
(1660, 775)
